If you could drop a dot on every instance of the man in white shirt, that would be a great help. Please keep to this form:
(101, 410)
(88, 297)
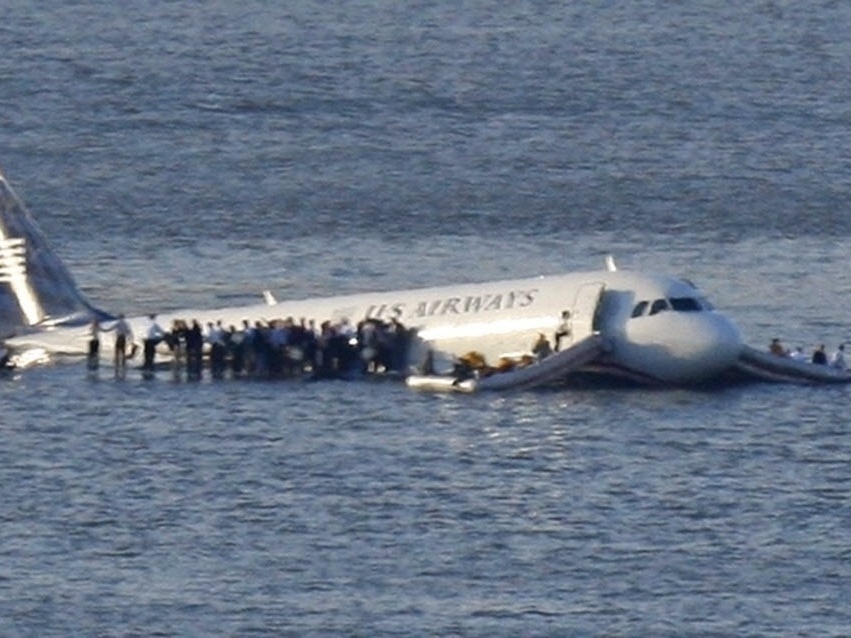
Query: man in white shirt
(798, 354)
(216, 339)
(123, 334)
(563, 329)
(837, 360)
(153, 335)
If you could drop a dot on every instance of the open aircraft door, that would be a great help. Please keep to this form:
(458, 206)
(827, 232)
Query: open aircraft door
(584, 317)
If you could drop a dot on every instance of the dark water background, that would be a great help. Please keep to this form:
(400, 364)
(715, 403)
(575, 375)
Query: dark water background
(188, 153)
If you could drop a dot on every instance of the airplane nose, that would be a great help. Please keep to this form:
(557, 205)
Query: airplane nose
(723, 343)
(680, 347)
(701, 347)
(708, 345)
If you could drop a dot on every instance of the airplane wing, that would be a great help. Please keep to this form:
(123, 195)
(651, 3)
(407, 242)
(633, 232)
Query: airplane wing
(765, 366)
(549, 370)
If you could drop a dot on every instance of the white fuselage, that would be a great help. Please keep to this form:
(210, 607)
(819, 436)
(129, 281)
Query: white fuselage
(676, 338)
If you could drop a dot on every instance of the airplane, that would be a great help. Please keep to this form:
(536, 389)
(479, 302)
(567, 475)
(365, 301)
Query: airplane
(647, 328)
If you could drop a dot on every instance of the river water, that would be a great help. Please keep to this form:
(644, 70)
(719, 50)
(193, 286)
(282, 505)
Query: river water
(195, 154)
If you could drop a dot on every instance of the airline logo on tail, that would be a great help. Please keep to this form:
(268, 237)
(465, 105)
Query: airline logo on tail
(13, 259)
(13, 271)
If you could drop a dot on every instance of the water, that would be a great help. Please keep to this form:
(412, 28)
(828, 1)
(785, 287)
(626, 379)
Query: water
(188, 154)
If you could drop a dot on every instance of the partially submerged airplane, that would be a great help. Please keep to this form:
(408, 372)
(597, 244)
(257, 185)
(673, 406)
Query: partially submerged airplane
(648, 328)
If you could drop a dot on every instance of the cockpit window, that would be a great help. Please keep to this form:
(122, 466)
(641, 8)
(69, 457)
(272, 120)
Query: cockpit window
(658, 306)
(685, 304)
(640, 308)
(677, 304)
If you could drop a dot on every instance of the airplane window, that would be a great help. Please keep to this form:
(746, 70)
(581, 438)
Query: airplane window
(658, 306)
(685, 304)
(640, 308)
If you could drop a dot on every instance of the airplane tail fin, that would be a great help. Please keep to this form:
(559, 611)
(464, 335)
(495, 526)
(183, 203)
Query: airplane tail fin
(36, 289)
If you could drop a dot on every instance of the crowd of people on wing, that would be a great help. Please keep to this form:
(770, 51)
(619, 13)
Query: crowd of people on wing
(819, 355)
(281, 348)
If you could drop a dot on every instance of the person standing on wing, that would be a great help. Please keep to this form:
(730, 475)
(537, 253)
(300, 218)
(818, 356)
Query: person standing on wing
(123, 334)
(94, 345)
(153, 335)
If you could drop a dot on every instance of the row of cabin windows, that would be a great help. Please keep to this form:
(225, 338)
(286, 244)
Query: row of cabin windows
(677, 304)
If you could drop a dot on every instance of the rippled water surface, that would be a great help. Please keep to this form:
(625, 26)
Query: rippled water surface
(180, 154)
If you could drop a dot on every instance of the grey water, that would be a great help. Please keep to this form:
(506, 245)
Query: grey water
(184, 154)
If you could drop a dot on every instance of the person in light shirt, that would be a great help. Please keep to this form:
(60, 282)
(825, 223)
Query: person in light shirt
(218, 348)
(153, 335)
(123, 335)
(837, 359)
(798, 354)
